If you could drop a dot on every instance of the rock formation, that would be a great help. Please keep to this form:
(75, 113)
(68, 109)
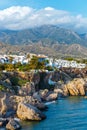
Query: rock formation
(3, 104)
(29, 112)
(27, 89)
(75, 87)
(13, 125)
(52, 96)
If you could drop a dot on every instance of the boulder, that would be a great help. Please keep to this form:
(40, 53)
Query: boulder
(29, 112)
(52, 96)
(59, 92)
(47, 95)
(43, 94)
(37, 96)
(75, 87)
(27, 100)
(13, 125)
(73, 91)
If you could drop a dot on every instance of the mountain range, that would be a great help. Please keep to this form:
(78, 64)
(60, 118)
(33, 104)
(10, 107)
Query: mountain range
(47, 39)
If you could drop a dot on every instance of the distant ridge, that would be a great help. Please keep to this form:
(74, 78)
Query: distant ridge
(47, 39)
(46, 34)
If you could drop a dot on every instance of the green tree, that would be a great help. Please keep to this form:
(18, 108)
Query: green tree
(36, 64)
(11, 59)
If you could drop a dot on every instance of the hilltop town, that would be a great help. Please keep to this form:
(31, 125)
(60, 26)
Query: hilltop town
(47, 61)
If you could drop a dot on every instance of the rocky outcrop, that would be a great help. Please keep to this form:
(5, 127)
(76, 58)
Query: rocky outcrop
(47, 95)
(3, 104)
(43, 94)
(27, 89)
(59, 92)
(60, 76)
(52, 96)
(13, 125)
(39, 87)
(75, 87)
(28, 100)
(29, 112)
(37, 96)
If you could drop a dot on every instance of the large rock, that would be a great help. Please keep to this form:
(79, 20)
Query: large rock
(52, 96)
(37, 96)
(29, 112)
(13, 125)
(43, 94)
(59, 92)
(27, 89)
(39, 104)
(75, 87)
(47, 95)
(28, 100)
(80, 85)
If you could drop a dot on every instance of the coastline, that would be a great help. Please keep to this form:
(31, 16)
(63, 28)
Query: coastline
(37, 93)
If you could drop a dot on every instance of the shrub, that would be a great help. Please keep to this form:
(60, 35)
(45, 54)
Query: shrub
(2, 87)
(18, 81)
(22, 82)
(14, 80)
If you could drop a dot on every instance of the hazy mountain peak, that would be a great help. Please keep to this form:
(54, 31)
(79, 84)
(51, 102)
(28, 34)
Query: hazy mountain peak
(47, 34)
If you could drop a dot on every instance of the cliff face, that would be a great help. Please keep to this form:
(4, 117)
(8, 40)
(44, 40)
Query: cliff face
(23, 93)
(42, 80)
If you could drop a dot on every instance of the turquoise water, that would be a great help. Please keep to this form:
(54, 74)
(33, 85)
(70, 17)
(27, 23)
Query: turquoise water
(66, 114)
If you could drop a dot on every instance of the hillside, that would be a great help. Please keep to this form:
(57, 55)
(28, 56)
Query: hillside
(56, 50)
(47, 35)
(47, 39)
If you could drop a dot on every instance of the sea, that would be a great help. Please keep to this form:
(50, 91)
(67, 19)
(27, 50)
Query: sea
(64, 114)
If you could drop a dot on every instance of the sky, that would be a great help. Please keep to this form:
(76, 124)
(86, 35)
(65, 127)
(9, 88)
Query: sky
(23, 14)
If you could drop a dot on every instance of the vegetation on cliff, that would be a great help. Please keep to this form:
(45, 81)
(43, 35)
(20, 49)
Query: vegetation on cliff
(34, 64)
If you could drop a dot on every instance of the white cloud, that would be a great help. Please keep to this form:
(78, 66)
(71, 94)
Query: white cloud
(49, 8)
(17, 17)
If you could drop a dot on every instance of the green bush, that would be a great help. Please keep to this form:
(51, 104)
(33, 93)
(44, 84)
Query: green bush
(18, 81)
(2, 87)
(22, 82)
(14, 80)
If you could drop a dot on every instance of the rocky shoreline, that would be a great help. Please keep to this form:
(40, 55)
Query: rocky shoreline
(28, 101)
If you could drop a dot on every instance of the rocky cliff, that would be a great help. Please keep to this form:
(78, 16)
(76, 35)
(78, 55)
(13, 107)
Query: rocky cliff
(22, 94)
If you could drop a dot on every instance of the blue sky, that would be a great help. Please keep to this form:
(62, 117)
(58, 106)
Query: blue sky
(75, 6)
(71, 14)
